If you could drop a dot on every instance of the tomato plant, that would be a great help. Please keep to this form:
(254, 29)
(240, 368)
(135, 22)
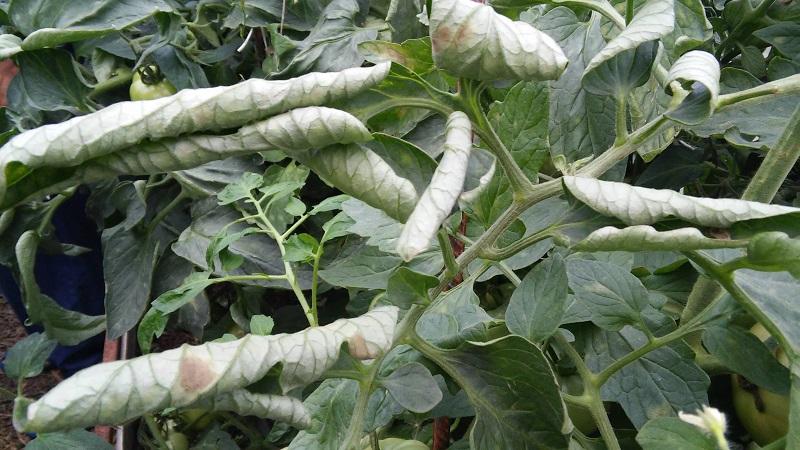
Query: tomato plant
(408, 224)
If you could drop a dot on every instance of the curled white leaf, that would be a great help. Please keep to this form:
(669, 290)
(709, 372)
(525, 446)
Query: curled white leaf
(480, 171)
(115, 392)
(653, 21)
(640, 238)
(125, 124)
(695, 67)
(266, 406)
(441, 196)
(295, 130)
(358, 171)
(473, 41)
(642, 206)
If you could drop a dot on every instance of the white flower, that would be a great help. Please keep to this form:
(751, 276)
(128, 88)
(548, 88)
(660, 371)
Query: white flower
(708, 419)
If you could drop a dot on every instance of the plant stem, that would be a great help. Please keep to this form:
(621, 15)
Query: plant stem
(315, 282)
(155, 431)
(495, 254)
(115, 82)
(591, 393)
(291, 278)
(622, 113)
(776, 165)
(741, 27)
(165, 211)
(786, 85)
(726, 280)
(450, 264)
(516, 177)
(628, 11)
(762, 188)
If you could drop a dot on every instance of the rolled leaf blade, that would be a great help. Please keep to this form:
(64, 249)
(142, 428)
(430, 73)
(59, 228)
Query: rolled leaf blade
(298, 129)
(640, 238)
(473, 41)
(442, 194)
(700, 71)
(265, 406)
(652, 22)
(121, 125)
(112, 393)
(644, 206)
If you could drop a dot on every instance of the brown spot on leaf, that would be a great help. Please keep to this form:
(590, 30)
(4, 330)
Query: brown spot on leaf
(440, 36)
(358, 347)
(195, 374)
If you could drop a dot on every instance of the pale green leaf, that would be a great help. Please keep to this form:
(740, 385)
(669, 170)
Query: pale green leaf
(112, 393)
(775, 251)
(438, 200)
(9, 45)
(641, 238)
(698, 72)
(640, 206)
(473, 41)
(266, 406)
(71, 440)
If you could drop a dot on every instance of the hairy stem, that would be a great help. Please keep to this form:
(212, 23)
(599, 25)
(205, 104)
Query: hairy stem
(777, 164)
(591, 393)
(762, 188)
(291, 278)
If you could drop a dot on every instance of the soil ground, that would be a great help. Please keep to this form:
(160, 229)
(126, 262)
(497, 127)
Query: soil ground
(11, 331)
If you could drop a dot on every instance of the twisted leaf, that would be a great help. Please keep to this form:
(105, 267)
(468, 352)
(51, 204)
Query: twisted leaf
(473, 41)
(115, 392)
(442, 194)
(652, 22)
(641, 206)
(698, 71)
(265, 406)
(298, 129)
(124, 124)
(641, 238)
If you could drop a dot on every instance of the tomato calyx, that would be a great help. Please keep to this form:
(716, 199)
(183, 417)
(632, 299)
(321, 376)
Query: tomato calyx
(150, 74)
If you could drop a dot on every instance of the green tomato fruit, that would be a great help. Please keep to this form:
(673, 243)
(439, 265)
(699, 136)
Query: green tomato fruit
(580, 415)
(764, 414)
(148, 83)
(197, 419)
(177, 441)
(400, 444)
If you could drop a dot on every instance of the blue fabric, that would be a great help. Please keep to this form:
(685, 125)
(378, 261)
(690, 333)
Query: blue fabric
(74, 282)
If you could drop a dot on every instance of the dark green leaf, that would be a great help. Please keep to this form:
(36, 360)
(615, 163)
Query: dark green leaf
(538, 304)
(27, 357)
(746, 355)
(513, 389)
(70, 440)
(50, 81)
(407, 287)
(661, 383)
(49, 23)
(413, 387)
(669, 433)
(614, 296)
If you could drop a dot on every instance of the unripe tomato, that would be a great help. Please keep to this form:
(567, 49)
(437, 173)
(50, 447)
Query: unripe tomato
(149, 83)
(764, 414)
(177, 441)
(580, 415)
(196, 419)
